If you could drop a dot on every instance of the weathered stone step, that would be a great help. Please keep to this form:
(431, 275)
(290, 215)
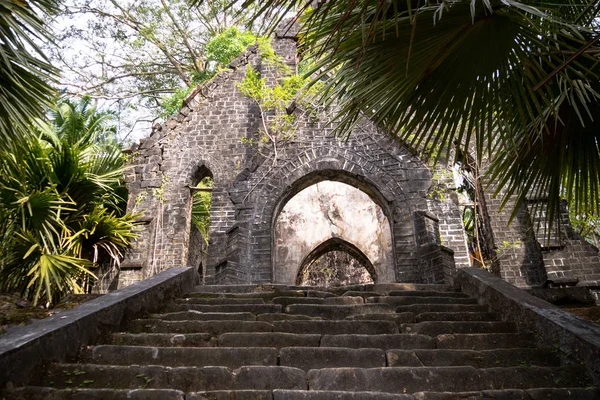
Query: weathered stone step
(361, 294)
(435, 328)
(165, 339)
(399, 318)
(388, 287)
(516, 394)
(286, 301)
(484, 341)
(344, 300)
(457, 316)
(319, 293)
(308, 358)
(445, 379)
(231, 357)
(265, 296)
(338, 312)
(186, 379)
(424, 308)
(385, 342)
(213, 327)
(246, 288)
(477, 359)
(227, 308)
(193, 315)
(231, 395)
(269, 339)
(218, 301)
(409, 300)
(427, 293)
(336, 327)
(270, 317)
(47, 393)
(331, 395)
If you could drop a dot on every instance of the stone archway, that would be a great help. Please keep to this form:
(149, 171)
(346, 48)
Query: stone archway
(336, 245)
(339, 215)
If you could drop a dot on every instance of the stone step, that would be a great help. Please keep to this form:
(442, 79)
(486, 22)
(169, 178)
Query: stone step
(231, 357)
(399, 318)
(193, 315)
(47, 393)
(477, 359)
(385, 342)
(516, 394)
(332, 395)
(218, 301)
(165, 339)
(435, 328)
(269, 339)
(449, 379)
(409, 300)
(247, 288)
(286, 301)
(344, 300)
(265, 296)
(319, 293)
(186, 379)
(336, 327)
(425, 308)
(270, 317)
(485, 341)
(308, 358)
(457, 316)
(231, 395)
(227, 308)
(535, 377)
(364, 295)
(388, 287)
(337, 311)
(215, 328)
(426, 293)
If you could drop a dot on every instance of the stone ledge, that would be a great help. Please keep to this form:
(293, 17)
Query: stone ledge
(24, 350)
(576, 338)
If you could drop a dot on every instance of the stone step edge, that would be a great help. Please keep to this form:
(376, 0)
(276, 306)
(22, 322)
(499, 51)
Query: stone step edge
(282, 394)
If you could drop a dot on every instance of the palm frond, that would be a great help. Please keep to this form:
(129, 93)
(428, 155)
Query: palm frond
(492, 75)
(25, 73)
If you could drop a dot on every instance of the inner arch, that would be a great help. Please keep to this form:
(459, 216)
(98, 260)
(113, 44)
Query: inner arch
(335, 214)
(335, 245)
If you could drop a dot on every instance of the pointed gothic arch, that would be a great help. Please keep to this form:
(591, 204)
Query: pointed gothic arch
(336, 244)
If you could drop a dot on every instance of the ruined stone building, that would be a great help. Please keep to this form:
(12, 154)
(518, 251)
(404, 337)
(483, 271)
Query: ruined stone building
(383, 204)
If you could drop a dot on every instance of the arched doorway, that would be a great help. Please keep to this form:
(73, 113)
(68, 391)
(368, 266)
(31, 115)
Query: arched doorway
(336, 262)
(332, 216)
(199, 212)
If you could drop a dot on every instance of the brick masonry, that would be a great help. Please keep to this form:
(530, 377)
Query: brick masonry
(206, 139)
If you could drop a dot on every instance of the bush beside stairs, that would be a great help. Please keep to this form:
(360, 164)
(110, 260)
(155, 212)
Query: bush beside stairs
(363, 342)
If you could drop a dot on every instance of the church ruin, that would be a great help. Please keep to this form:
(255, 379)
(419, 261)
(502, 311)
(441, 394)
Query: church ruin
(416, 219)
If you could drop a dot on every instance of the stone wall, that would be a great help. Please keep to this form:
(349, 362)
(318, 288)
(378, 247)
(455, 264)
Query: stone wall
(525, 259)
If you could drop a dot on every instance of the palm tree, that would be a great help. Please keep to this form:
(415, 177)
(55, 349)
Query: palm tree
(59, 210)
(514, 81)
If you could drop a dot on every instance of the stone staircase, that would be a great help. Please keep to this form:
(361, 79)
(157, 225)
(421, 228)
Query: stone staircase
(273, 342)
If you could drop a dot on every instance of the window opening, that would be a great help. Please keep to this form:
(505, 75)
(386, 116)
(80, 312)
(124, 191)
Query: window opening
(200, 224)
(548, 235)
(475, 216)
